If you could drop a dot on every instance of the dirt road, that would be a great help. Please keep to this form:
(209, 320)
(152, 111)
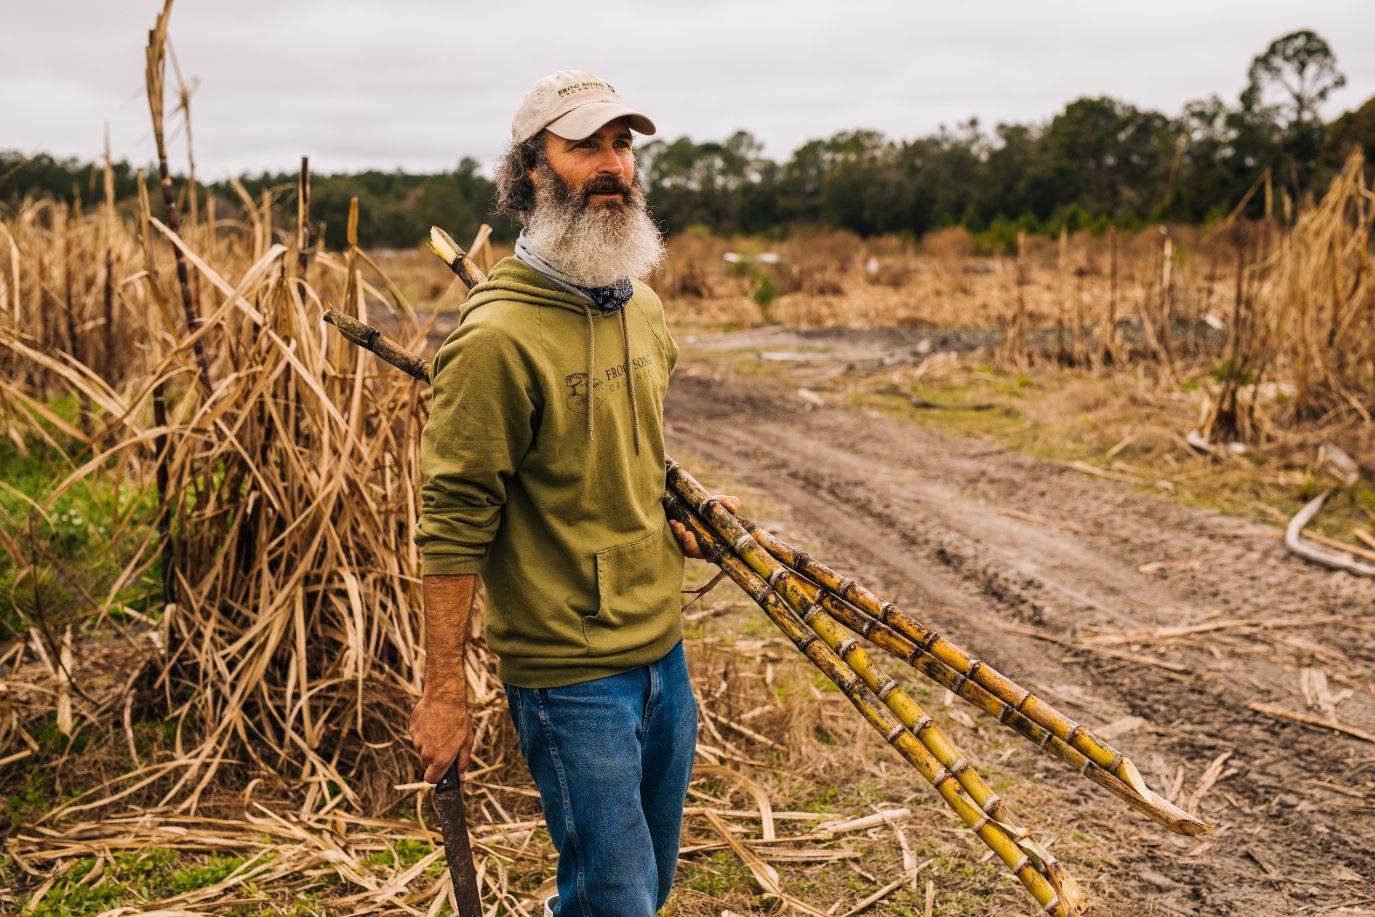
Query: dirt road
(992, 547)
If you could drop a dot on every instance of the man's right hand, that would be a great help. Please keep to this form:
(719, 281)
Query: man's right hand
(442, 732)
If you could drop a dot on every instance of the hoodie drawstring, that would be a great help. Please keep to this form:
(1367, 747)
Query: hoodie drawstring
(591, 348)
(630, 381)
(629, 376)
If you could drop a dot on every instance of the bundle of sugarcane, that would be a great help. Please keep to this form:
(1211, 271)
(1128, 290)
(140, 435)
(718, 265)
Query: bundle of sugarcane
(824, 614)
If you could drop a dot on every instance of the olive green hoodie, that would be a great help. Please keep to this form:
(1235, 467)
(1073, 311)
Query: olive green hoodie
(549, 486)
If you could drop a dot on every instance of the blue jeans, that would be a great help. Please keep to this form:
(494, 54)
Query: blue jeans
(612, 758)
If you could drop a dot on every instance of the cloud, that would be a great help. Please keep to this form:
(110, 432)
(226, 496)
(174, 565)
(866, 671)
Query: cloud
(422, 83)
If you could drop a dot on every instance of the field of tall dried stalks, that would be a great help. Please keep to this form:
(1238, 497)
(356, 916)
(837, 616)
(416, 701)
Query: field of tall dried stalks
(264, 604)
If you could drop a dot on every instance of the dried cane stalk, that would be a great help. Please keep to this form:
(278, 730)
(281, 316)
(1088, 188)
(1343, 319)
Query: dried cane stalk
(154, 74)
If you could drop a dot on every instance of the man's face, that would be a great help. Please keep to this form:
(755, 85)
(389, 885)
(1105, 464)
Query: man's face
(589, 215)
(600, 169)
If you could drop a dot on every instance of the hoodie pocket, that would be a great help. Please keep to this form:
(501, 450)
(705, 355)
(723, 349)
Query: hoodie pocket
(637, 584)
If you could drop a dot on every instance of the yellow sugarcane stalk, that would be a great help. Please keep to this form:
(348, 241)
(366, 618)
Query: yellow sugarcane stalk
(986, 688)
(1042, 876)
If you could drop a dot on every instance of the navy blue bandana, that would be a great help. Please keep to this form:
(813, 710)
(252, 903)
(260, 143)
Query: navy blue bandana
(611, 297)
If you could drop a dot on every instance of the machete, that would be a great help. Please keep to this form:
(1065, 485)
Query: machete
(448, 803)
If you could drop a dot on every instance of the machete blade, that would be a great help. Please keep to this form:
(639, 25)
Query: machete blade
(458, 851)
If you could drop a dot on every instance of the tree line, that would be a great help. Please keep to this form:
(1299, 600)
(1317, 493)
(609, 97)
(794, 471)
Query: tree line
(1100, 161)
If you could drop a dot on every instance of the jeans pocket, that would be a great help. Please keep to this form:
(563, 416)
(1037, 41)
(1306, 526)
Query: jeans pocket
(515, 701)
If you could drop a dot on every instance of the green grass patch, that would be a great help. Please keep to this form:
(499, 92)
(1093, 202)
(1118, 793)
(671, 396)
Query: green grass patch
(717, 874)
(135, 878)
(72, 547)
(405, 854)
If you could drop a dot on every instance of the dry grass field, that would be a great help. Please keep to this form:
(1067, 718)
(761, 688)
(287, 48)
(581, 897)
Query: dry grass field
(1075, 457)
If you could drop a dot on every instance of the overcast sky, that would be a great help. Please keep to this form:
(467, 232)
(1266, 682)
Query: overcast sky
(418, 84)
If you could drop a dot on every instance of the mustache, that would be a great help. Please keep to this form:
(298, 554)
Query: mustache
(605, 184)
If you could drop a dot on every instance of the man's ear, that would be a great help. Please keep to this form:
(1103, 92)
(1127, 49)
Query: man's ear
(542, 141)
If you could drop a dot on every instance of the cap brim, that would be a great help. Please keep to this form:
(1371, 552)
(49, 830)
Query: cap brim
(586, 120)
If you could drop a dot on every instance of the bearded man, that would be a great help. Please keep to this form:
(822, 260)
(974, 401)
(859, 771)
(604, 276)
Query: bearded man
(544, 459)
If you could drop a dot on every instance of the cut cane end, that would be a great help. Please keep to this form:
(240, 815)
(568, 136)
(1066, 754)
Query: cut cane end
(352, 329)
(443, 245)
(1178, 821)
(1173, 817)
(1153, 806)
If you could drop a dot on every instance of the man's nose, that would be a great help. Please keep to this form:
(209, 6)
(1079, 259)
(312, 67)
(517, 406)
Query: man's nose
(608, 163)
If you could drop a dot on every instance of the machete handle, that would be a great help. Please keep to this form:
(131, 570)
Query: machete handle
(450, 780)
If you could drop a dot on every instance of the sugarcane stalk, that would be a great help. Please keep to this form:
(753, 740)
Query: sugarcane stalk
(443, 245)
(996, 836)
(1009, 692)
(884, 637)
(805, 599)
(108, 300)
(303, 222)
(371, 339)
(154, 73)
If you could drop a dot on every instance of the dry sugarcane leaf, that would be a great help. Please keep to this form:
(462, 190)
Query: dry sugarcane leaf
(767, 831)
(1205, 783)
(64, 684)
(1138, 658)
(876, 897)
(763, 873)
(1354, 550)
(1293, 717)
(863, 823)
(1093, 470)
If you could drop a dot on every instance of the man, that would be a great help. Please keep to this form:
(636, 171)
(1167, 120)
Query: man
(544, 458)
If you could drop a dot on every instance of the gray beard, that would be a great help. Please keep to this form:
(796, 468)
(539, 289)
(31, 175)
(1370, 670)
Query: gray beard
(594, 246)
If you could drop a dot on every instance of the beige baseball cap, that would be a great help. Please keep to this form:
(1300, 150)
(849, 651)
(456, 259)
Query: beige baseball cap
(572, 104)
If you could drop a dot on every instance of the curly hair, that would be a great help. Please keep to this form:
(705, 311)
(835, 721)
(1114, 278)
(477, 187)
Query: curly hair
(515, 190)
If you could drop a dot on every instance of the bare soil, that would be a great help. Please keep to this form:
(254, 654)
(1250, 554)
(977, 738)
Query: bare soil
(1067, 584)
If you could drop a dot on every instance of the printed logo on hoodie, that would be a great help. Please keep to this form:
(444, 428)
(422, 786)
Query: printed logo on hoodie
(577, 392)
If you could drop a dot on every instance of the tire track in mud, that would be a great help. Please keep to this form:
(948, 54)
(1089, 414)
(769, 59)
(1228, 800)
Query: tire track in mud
(919, 516)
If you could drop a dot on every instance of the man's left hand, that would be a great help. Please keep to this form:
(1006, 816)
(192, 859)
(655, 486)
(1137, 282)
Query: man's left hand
(688, 541)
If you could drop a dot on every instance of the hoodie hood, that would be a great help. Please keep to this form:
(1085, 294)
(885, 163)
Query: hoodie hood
(515, 281)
